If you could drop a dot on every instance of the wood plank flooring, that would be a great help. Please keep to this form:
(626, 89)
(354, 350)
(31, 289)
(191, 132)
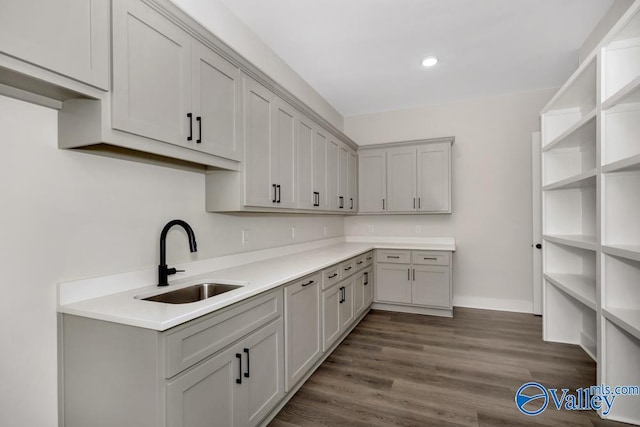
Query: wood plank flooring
(399, 369)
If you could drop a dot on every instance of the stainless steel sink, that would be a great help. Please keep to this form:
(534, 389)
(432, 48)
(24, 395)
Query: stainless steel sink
(192, 293)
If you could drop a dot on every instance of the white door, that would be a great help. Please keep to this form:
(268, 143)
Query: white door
(217, 104)
(331, 316)
(434, 176)
(372, 181)
(151, 91)
(259, 189)
(307, 199)
(536, 179)
(333, 150)
(283, 154)
(401, 178)
(368, 286)
(347, 304)
(358, 293)
(431, 286)
(393, 283)
(320, 168)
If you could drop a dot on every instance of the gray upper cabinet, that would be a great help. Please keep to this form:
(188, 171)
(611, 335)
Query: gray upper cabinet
(353, 182)
(333, 152)
(307, 197)
(69, 37)
(169, 87)
(320, 168)
(343, 178)
(372, 180)
(283, 153)
(407, 177)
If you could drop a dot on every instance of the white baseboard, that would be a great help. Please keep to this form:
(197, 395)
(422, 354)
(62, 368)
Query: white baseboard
(517, 306)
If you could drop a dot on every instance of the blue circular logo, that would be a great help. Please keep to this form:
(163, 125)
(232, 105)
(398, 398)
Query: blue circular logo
(532, 392)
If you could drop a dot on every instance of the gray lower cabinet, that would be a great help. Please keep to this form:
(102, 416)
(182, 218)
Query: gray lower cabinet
(303, 332)
(363, 291)
(226, 368)
(418, 279)
(331, 316)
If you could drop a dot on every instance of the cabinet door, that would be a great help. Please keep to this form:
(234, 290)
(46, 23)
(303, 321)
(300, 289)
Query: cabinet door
(217, 103)
(151, 75)
(343, 178)
(70, 37)
(330, 316)
(358, 293)
(258, 101)
(368, 285)
(347, 313)
(207, 395)
(302, 327)
(320, 168)
(434, 178)
(307, 199)
(372, 181)
(431, 286)
(393, 283)
(333, 150)
(263, 354)
(353, 182)
(401, 175)
(283, 154)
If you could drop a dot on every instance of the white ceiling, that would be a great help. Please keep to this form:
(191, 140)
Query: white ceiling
(364, 55)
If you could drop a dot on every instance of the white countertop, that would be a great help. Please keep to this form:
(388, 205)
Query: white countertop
(256, 277)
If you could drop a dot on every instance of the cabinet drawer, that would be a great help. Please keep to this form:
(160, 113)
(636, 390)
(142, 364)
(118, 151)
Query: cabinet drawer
(347, 268)
(305, 281)
(368, 258)
(189, 345)
(359, 262)
(397, 257)
(330, 276)
(430, 258)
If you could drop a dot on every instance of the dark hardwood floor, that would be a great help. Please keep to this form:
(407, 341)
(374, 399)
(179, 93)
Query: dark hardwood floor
(412, 370)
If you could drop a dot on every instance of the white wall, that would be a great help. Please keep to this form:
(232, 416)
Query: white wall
(67, 215)
(218, 19)
(492, 213)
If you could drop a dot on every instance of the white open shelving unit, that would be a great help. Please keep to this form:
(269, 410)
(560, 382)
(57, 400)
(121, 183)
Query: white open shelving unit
(591, 211)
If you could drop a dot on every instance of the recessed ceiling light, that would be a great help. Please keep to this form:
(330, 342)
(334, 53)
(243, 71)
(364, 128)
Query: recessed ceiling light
(429, 61)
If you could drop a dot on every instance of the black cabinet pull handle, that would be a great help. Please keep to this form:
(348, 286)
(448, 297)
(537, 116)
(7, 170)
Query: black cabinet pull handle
(279, 192)
(414, 203)
(341, 295)
(431, 258)
(414, 274)
(382, 204)
(275, 195)
(331, 276)
(348, 268)
(369, 258)
(408, 274)
(199, 120)
(190, 116)
(359, 262)
(418, 202)
(308, 283)
(316, 198)
(246, 374)
(239, 379)
(341, 202)
(393, 257)
(366, 278)
(351, 202)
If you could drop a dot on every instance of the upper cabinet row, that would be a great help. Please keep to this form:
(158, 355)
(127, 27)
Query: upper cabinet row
(290, 162)
(412, 177)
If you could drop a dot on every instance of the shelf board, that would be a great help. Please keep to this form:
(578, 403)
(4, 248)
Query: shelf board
(628, 94)
(629, 164)
(579, 287)
(624, 318)
(583, 180)
(577, 135)
(578, 91)
(574, 240)
(623, 251)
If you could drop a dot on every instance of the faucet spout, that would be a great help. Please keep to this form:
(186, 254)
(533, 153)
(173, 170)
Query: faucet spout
(163, 270)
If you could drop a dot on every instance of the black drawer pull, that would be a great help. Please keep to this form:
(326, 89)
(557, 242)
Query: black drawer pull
(431, 259)
(246, 374)
(369, 258)
(393, 257)
(239, 379)
(308, 283)
(359, 262)
(331, 276)
(348, 268)
(199, 120)
(190, 117)
(275, 193)
(366, 278)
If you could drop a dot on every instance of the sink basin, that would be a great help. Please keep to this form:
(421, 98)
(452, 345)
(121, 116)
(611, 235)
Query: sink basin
(192, 293)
